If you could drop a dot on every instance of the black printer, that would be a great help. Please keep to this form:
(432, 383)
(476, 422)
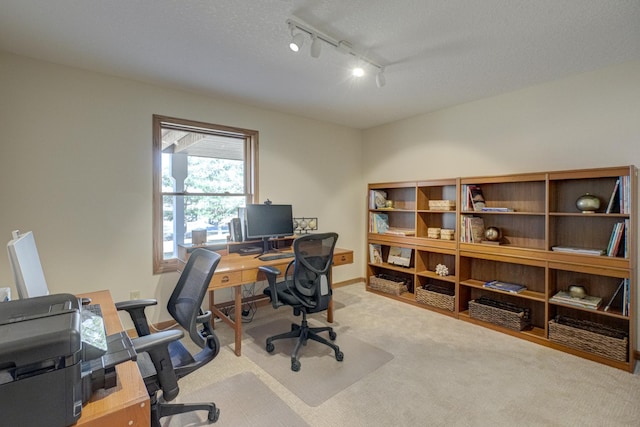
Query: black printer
(47, 372)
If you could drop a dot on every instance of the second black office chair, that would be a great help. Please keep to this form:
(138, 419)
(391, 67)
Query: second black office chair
(306, 288)
(162, 367)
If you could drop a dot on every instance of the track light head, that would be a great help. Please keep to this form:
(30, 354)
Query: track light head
(380, 79)
(296, 42)
(316, 47)
(358, 71)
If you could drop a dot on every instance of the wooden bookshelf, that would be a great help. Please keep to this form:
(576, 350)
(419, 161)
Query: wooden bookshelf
(540, 214)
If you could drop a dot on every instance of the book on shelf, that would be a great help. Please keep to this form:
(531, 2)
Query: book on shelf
(377, 199)
(400, 231)
(375, 253)
(496, 209)
(379, 223)
(400, 256)
(588, 301)
(617, 234)
(581, 251)
(613, 197)
(475, 198)
(513, 288)
(472, 229)
(615, 294)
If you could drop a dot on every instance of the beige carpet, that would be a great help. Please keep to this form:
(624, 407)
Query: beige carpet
(321, 376)
(243, 400)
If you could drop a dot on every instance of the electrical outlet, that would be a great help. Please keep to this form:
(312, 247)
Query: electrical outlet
(134, 295)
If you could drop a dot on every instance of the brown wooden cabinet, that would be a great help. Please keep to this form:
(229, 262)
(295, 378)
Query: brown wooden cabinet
(546, 244)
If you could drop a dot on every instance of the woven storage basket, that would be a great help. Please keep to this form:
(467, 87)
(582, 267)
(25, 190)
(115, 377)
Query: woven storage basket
(435, 299)
(592, 342)
(387, 286)
(504, 318)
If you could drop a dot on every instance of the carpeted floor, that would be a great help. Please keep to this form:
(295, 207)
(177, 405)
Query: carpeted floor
(444, 372)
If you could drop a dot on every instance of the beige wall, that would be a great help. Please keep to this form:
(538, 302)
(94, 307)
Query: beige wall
(588, 120)
(75, 167)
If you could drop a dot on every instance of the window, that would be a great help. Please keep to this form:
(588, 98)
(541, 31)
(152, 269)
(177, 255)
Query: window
(202, 174)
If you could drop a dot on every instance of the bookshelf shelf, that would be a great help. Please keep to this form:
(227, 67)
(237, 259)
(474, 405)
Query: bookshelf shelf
(543, 238)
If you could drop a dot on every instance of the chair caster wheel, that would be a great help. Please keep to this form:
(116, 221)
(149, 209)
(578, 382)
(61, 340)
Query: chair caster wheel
(339, 356)
(295, 365)
(270, 347)
(214, 413)
(332, 335)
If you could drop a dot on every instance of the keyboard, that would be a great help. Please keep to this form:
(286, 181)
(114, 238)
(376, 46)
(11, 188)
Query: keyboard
(276, 256)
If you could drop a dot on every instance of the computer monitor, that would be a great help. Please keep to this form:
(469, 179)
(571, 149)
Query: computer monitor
(26, 267)
(267, 221)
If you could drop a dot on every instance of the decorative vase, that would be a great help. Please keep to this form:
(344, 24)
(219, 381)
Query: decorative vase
(588, 203)
(492, 234)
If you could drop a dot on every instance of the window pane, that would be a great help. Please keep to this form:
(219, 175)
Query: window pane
(183, 214)
(202, 163)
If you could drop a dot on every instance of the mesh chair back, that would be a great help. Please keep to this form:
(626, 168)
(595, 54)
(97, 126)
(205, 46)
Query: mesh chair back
(186, 299)
(312, 267)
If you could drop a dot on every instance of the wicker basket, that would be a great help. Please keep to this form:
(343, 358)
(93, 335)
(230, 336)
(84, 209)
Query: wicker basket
(393, 287)
(435, 299)
(442, 205)
(517, 321)
(592, 342)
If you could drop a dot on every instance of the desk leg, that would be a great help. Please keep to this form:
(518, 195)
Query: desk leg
(330, 311)
(237, 327)
(237, 324)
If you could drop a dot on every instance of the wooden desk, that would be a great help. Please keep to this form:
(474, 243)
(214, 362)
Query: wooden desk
(126, 404)
(235, 270)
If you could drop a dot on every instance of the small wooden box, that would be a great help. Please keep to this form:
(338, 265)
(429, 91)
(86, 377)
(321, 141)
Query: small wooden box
(442, 205)
(433, 233)
(447, 234)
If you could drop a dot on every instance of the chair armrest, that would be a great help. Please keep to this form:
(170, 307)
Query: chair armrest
(135, 303)
(135, 308)
(157, 347)
(272, 274)
(158, 339)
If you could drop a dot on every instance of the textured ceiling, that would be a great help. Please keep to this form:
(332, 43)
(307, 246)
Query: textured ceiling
(437, 53)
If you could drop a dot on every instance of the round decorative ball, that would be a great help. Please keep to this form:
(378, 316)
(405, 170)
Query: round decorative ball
(588, 203)
(492, 234)
(577, 291)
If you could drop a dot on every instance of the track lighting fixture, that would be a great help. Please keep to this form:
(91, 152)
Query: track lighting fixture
(297, 40)
(316, 47)
(298, 30)
(380, 79)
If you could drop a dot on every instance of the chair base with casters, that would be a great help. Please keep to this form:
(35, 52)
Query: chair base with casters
(304, 333)
(307, 289)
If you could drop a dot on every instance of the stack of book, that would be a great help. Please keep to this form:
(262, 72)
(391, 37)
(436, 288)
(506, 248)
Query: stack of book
(583, 251)
(472, 229)
(621, 192)
(619, 231)
(504, 286)
(563, 297)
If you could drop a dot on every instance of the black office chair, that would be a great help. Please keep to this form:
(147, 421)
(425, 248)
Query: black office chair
(185, 307)
(307, 288)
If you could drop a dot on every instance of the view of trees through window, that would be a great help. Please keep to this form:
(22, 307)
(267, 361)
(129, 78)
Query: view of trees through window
(206, 174)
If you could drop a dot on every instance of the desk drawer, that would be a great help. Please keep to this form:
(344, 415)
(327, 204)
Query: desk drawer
(341, 259)
(226, 279)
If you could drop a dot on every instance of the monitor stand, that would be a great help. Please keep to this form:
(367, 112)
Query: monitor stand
(266, 246)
